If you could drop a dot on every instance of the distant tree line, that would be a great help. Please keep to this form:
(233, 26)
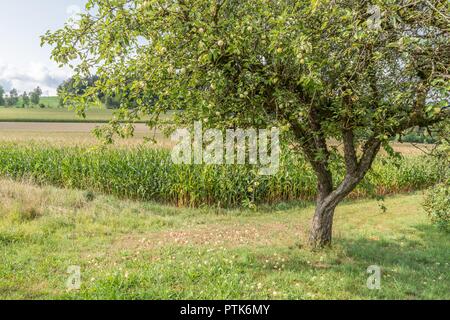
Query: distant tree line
(12, 99)
(74, 86)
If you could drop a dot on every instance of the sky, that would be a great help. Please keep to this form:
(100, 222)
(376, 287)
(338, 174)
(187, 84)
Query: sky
(24, 65)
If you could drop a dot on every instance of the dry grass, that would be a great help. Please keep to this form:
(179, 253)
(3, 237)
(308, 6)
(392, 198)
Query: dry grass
(25, 201)
(216, 236)
(73, 134)
(409, 149)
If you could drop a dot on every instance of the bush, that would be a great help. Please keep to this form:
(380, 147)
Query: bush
(437, 205)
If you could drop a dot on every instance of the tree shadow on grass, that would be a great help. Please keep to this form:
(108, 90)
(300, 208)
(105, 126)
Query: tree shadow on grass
(429, 247)
(413, 266)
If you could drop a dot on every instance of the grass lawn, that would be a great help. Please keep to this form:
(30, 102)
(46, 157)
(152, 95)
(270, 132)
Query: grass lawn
(132, 250)
(52, 115)
(49, 102)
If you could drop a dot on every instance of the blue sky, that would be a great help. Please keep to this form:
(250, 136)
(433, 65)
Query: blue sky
(23, 63)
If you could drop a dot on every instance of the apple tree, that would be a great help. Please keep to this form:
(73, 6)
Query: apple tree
(352, 72)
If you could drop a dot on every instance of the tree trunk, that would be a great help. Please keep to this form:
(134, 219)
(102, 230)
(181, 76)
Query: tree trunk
(322, 226)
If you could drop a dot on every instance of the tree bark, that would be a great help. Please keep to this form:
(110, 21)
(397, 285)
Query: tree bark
(322, 226)
(316, 150)
(328, 199)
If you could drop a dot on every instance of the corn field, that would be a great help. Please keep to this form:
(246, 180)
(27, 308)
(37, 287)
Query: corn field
(149, 175)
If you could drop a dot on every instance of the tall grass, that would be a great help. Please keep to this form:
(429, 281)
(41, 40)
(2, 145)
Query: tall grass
(149, 174)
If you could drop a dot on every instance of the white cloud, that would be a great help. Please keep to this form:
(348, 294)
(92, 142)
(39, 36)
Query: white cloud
(33, 74)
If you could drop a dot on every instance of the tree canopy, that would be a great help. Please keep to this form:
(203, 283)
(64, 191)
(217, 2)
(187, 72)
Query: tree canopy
(35, 95)
(321, 70)
(25, 99)
(13, 98)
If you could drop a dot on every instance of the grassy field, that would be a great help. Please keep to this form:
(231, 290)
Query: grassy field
(71, 134)
(133, 250)
(52, 115)
(62, 127)
(49, 102)
(128, 249)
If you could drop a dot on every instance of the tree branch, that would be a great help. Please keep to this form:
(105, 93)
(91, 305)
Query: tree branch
(351, 161)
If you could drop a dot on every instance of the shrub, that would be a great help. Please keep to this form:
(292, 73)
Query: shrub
(437, 205)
